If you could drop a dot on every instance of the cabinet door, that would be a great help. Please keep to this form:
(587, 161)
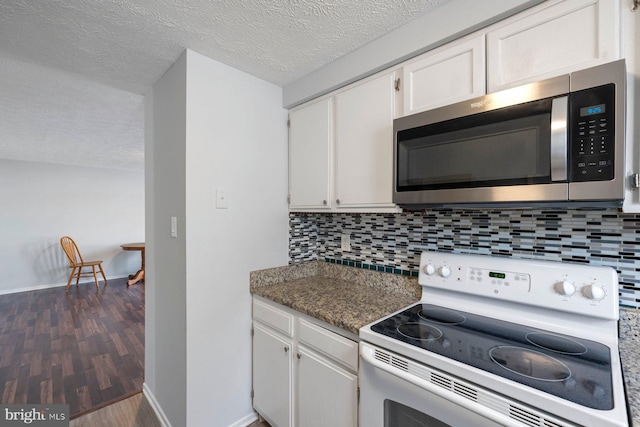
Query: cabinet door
(445, 75)
(631, 53)
(327, 394)
(364, 144)
(272, 376)
(310, 151)
(553, 39)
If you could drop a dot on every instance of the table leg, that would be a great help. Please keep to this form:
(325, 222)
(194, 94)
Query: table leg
(135, 278)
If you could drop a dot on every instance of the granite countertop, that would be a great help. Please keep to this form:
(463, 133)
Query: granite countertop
(629, 351)
(327, 292)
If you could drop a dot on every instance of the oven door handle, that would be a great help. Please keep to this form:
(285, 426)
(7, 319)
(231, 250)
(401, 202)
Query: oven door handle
(367, 354)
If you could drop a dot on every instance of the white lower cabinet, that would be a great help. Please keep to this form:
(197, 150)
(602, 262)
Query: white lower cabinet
(327, 393)
(272, 376)
(304, 374)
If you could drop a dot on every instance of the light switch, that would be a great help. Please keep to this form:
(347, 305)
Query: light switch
(222, 199)
(174, 226)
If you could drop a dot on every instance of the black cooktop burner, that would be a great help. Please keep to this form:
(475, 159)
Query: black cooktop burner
(419, 331)
(556, 343)
(529, 363)
(574, 369)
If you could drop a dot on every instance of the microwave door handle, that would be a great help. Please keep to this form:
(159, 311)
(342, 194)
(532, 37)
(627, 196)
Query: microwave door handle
(559, 151)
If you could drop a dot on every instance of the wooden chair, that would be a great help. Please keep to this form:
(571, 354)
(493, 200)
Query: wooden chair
(76, 263)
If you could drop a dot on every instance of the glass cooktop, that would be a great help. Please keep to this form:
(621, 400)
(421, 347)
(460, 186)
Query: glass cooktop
(571, 368)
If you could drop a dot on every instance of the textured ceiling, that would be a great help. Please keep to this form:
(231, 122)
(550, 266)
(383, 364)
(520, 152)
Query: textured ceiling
(72, 72)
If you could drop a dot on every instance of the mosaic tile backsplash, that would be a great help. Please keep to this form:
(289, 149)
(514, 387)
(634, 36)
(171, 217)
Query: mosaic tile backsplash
(393, 242)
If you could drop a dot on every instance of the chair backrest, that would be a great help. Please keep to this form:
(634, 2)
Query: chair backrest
(71, 250)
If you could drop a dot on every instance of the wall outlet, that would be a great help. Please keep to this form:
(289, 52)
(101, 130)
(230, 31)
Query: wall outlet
(345, 242)
(222, 199)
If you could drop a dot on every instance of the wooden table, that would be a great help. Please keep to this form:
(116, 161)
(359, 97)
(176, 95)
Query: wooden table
(135, 278)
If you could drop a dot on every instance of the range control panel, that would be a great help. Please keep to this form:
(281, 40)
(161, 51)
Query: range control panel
(591, 134)
(577, 288)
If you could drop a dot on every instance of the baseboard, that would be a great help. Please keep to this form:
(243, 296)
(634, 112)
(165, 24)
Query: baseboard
(52, 285)
(155, 406)
(245, 421)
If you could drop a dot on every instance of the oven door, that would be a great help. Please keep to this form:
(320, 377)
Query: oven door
(392, 396)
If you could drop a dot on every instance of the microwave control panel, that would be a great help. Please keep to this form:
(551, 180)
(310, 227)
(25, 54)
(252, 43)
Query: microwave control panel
(592, 134)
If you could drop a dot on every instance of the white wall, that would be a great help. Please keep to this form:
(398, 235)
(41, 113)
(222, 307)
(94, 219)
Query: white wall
(150, 275)
(234, 138)
(41, 202)
(165, 298)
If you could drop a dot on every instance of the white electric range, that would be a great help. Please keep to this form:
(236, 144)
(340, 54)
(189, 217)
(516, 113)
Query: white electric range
(497, 342)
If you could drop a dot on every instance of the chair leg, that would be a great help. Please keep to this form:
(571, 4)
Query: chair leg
(79, 273)
(102, 271)
(93, 268)
(69, 281)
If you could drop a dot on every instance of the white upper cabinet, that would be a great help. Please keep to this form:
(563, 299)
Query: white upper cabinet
(552, 39)
(341, 149)
(449, 74)
(310, 155)
(631, 53)
(364, 144)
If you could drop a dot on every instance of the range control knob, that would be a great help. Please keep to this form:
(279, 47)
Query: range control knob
(565, 288)
(444, 271)
(429, 269)
(593, 292)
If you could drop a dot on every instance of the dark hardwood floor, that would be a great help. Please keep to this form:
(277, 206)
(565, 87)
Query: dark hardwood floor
(84, 348)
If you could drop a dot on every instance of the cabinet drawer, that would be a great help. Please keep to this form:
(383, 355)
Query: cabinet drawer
(329, 344)
(273, 317)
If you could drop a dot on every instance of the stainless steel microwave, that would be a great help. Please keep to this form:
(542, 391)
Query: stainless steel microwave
(557, 141)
